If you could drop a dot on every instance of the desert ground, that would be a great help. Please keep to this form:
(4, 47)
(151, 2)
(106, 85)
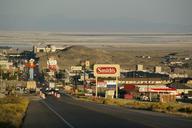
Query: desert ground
(124, 49)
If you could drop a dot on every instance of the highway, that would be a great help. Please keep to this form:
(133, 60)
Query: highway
(67, 112)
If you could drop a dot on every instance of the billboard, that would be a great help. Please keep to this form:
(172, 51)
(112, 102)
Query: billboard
(106, 70)
(52, 64)
(76, 68)
(87, 63)
(102, 84)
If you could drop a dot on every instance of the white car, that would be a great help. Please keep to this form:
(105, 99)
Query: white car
(144, 98)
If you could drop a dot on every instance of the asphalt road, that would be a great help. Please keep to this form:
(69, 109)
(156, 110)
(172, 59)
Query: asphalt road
(67, 112)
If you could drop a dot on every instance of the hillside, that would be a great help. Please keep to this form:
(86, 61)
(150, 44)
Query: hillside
(75, 54)
(126, 56)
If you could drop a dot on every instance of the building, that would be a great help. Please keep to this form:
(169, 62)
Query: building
(5, 64)
(10, 52)
(176, 63)
(143, 74)
(156, 89)
(189, 82)
(48, 48)
(147, 81)
(173, 76)
(144, 81)
(181, 88)
(139, 67)
(157, 69)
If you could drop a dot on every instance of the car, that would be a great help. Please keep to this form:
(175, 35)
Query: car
(49, 92)
(144, 98)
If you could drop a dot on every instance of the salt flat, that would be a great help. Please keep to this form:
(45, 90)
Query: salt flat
(123, 48)
(95, 39)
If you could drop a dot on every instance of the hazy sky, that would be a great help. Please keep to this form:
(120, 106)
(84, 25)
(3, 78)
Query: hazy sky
(97, 15)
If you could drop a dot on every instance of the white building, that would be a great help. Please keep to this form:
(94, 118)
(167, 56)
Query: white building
(139, 67)
(5, 64)
(157, 69)
(48, 48)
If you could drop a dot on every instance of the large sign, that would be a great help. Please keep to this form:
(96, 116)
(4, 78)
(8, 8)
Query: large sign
(102, 84)
(87, 63)
(106, 70)
(76, 68)
(52, 64)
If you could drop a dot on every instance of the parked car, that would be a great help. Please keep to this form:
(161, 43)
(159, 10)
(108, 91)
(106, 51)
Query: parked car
(144, 98)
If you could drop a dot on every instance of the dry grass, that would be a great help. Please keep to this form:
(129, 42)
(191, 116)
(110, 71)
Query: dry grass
(12, 111)
(173, 108)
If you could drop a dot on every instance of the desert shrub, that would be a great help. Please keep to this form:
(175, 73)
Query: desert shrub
(186, 109)
(12, 110)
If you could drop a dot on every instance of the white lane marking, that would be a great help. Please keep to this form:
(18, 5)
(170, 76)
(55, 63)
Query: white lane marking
(57, 114)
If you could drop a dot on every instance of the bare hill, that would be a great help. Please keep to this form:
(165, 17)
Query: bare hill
(73, 55)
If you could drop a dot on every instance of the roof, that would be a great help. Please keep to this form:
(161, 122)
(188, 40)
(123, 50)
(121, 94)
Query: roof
(163, 89)
(142, 79)
(144, 74)
(179, 86)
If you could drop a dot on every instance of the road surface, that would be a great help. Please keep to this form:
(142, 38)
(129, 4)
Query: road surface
(67, 112)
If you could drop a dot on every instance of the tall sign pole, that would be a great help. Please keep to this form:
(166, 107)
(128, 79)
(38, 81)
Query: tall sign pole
(84, 77)
(76, 69)
(117, 87)
(96, 87)
(31, 66)
(75, 79)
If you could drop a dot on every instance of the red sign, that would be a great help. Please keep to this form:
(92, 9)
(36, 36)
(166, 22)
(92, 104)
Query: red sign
(30, 65)
(106, 70)
(53, 67)
(101, 84)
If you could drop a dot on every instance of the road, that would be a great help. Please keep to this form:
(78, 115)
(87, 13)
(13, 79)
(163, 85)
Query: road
(67, 112)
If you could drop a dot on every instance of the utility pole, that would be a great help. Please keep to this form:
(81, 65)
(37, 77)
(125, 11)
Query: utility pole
(96, 82)
(84, 82)
(1, 76)
(116, 87)
(75, 79)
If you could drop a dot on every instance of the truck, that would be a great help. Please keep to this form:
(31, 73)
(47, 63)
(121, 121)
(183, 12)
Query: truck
(31, 86)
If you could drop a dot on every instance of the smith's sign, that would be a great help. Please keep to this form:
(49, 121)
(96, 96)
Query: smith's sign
(106, 70)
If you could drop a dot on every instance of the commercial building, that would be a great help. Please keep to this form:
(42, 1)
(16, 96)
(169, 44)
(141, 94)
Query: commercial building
(143, 74)
(139, 67)
(173, 76)
(144, 81)
(180, 88)
(5, 64)
(157, 69)
(48, 48)
(147, 82)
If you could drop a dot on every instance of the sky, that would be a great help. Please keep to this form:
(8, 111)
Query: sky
(129, 16)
